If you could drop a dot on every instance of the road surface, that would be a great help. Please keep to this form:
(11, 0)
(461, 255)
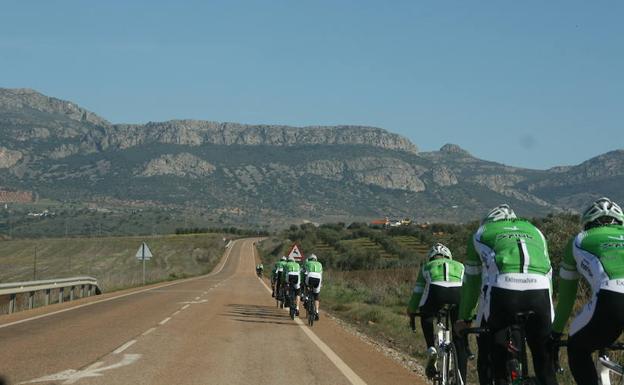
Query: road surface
(222, 328)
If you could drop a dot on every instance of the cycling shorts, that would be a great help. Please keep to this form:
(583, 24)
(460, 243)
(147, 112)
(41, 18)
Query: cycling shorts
(294, 280)
(313, 281)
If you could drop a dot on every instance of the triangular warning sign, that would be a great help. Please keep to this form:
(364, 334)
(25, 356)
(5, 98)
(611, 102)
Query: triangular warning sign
(295, 253)
(144, 252)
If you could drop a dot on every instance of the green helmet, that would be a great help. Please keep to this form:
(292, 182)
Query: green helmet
(440, 249)
(602, 207)
(499, 213)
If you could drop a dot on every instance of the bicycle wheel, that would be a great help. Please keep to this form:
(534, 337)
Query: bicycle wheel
(453, 375)
(311, 312)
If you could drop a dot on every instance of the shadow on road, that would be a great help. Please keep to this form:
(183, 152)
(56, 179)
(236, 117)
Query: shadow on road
(3, 381)
(258, 314)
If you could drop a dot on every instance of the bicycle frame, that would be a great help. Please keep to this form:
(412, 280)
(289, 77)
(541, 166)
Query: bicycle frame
(446, 349)
(604, 366)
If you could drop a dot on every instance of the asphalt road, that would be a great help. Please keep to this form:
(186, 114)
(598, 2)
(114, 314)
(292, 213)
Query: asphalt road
(223, 328)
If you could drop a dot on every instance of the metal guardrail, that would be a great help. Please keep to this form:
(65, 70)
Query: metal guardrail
(31, 287)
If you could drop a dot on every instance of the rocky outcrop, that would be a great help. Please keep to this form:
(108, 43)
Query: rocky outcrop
(443, 176)
(197, 132)
(182, 165)
(389, 173)
(450, 148)
(8, 158)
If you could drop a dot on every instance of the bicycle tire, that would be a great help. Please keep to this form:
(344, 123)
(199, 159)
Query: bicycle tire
(454, 376)
(311, 312)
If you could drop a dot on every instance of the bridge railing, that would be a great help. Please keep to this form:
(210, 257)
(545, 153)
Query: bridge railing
(78, 286)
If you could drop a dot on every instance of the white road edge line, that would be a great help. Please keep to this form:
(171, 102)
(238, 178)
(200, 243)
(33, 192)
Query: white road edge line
(333, 357)
(164, 321)
(176, 313)
(124, 347)
(148, 331)
(185, 307)
(123, 295)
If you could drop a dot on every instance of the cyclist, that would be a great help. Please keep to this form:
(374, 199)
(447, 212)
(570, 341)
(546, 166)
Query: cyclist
(259, 269)
(438, 284)
(276, 275)
(597, 253)
(313, 277)
(292, 275)
(507, 262)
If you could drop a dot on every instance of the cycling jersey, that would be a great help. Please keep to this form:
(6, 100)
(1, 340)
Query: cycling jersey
(510, 254)
(443, 272)
(292, 274)
(278, 269)
(598, 255)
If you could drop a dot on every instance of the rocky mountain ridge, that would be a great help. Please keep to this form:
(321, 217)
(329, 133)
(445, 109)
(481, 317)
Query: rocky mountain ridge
(62, 151)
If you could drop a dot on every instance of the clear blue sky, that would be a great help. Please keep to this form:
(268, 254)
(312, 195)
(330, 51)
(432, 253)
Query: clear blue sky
(525, 83)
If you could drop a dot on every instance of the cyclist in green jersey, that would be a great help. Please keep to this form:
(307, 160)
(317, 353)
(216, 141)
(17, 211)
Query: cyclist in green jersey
(276, 275)
(508, 271)
(313, 278)
(597, 254)
(292, 275)
(438, 284)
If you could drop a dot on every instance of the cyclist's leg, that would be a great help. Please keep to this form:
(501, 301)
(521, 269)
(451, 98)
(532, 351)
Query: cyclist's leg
(453, 297)
(484, 363)
(314, 281)
(430, 307)
(504, 304)
(595, 327)
(537, 330)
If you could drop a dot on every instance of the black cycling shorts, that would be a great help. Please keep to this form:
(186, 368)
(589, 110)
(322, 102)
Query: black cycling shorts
(314, 282)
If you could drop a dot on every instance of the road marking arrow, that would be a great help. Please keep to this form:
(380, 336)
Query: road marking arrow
(71, 376)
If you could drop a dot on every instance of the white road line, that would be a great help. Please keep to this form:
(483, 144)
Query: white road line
(333, 357)
(124, 347)
(185, 307)
(148, 331)
(176, 313)
(164, 321)
(197, 298)
(227, 256)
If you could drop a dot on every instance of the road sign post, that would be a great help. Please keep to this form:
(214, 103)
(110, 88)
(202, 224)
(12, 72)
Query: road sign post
(144, 254)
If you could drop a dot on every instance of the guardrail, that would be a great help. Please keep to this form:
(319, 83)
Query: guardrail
(30, 288)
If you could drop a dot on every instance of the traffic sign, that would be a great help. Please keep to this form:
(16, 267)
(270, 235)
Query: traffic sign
(144, 253)
(295, 253)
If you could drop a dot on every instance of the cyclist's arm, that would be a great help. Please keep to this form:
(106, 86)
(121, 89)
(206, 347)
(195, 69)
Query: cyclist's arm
(471, 286)
(568, 286)
(412, 306)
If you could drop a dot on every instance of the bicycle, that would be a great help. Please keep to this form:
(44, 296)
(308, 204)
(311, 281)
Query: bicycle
(292, 301)
(279, 297)
(514, 339)
(310, 307)
(446, 351)
(606, 368)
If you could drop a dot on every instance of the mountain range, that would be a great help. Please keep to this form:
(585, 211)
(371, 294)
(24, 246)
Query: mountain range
(269, 173)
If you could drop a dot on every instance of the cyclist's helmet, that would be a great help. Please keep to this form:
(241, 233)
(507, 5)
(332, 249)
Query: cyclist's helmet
(499, 213)
(602, 212)
(440, 249)
(283, 258)
(312, 257)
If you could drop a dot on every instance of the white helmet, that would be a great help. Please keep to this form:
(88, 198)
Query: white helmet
(291, 259)
(499, 213)
(603, 207)
(283, 258)
(440, 249)
(312, 257)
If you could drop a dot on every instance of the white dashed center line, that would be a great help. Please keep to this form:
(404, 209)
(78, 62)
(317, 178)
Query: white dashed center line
(185, 307)
(164, 321)
(124, 347)
(148, 331)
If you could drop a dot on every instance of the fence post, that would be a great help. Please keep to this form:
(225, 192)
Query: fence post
(81, 291)
(12, 303)
(71, 293)
(47, 297)
(31, 300)
(89, 290)
(61, 292)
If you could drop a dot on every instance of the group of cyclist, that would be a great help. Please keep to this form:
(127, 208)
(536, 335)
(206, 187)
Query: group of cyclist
(306, 281)
(507, 271)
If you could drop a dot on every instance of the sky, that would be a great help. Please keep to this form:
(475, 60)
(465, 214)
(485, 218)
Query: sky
(526, 83)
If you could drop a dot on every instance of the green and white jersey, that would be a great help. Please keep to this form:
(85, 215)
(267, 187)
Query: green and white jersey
(510, 254)
(291, 268)
(598, 255)
(279, 268)
(443, 272)
(313, 267)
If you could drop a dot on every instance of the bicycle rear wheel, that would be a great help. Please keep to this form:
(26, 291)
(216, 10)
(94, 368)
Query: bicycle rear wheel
(453, 376)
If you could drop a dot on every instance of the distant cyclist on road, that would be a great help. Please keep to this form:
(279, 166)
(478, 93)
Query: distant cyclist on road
(312, 278)
(438, 284)
(292, 275)
(276, 275)
(597, 253)
(259, 269)
(508, 266)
